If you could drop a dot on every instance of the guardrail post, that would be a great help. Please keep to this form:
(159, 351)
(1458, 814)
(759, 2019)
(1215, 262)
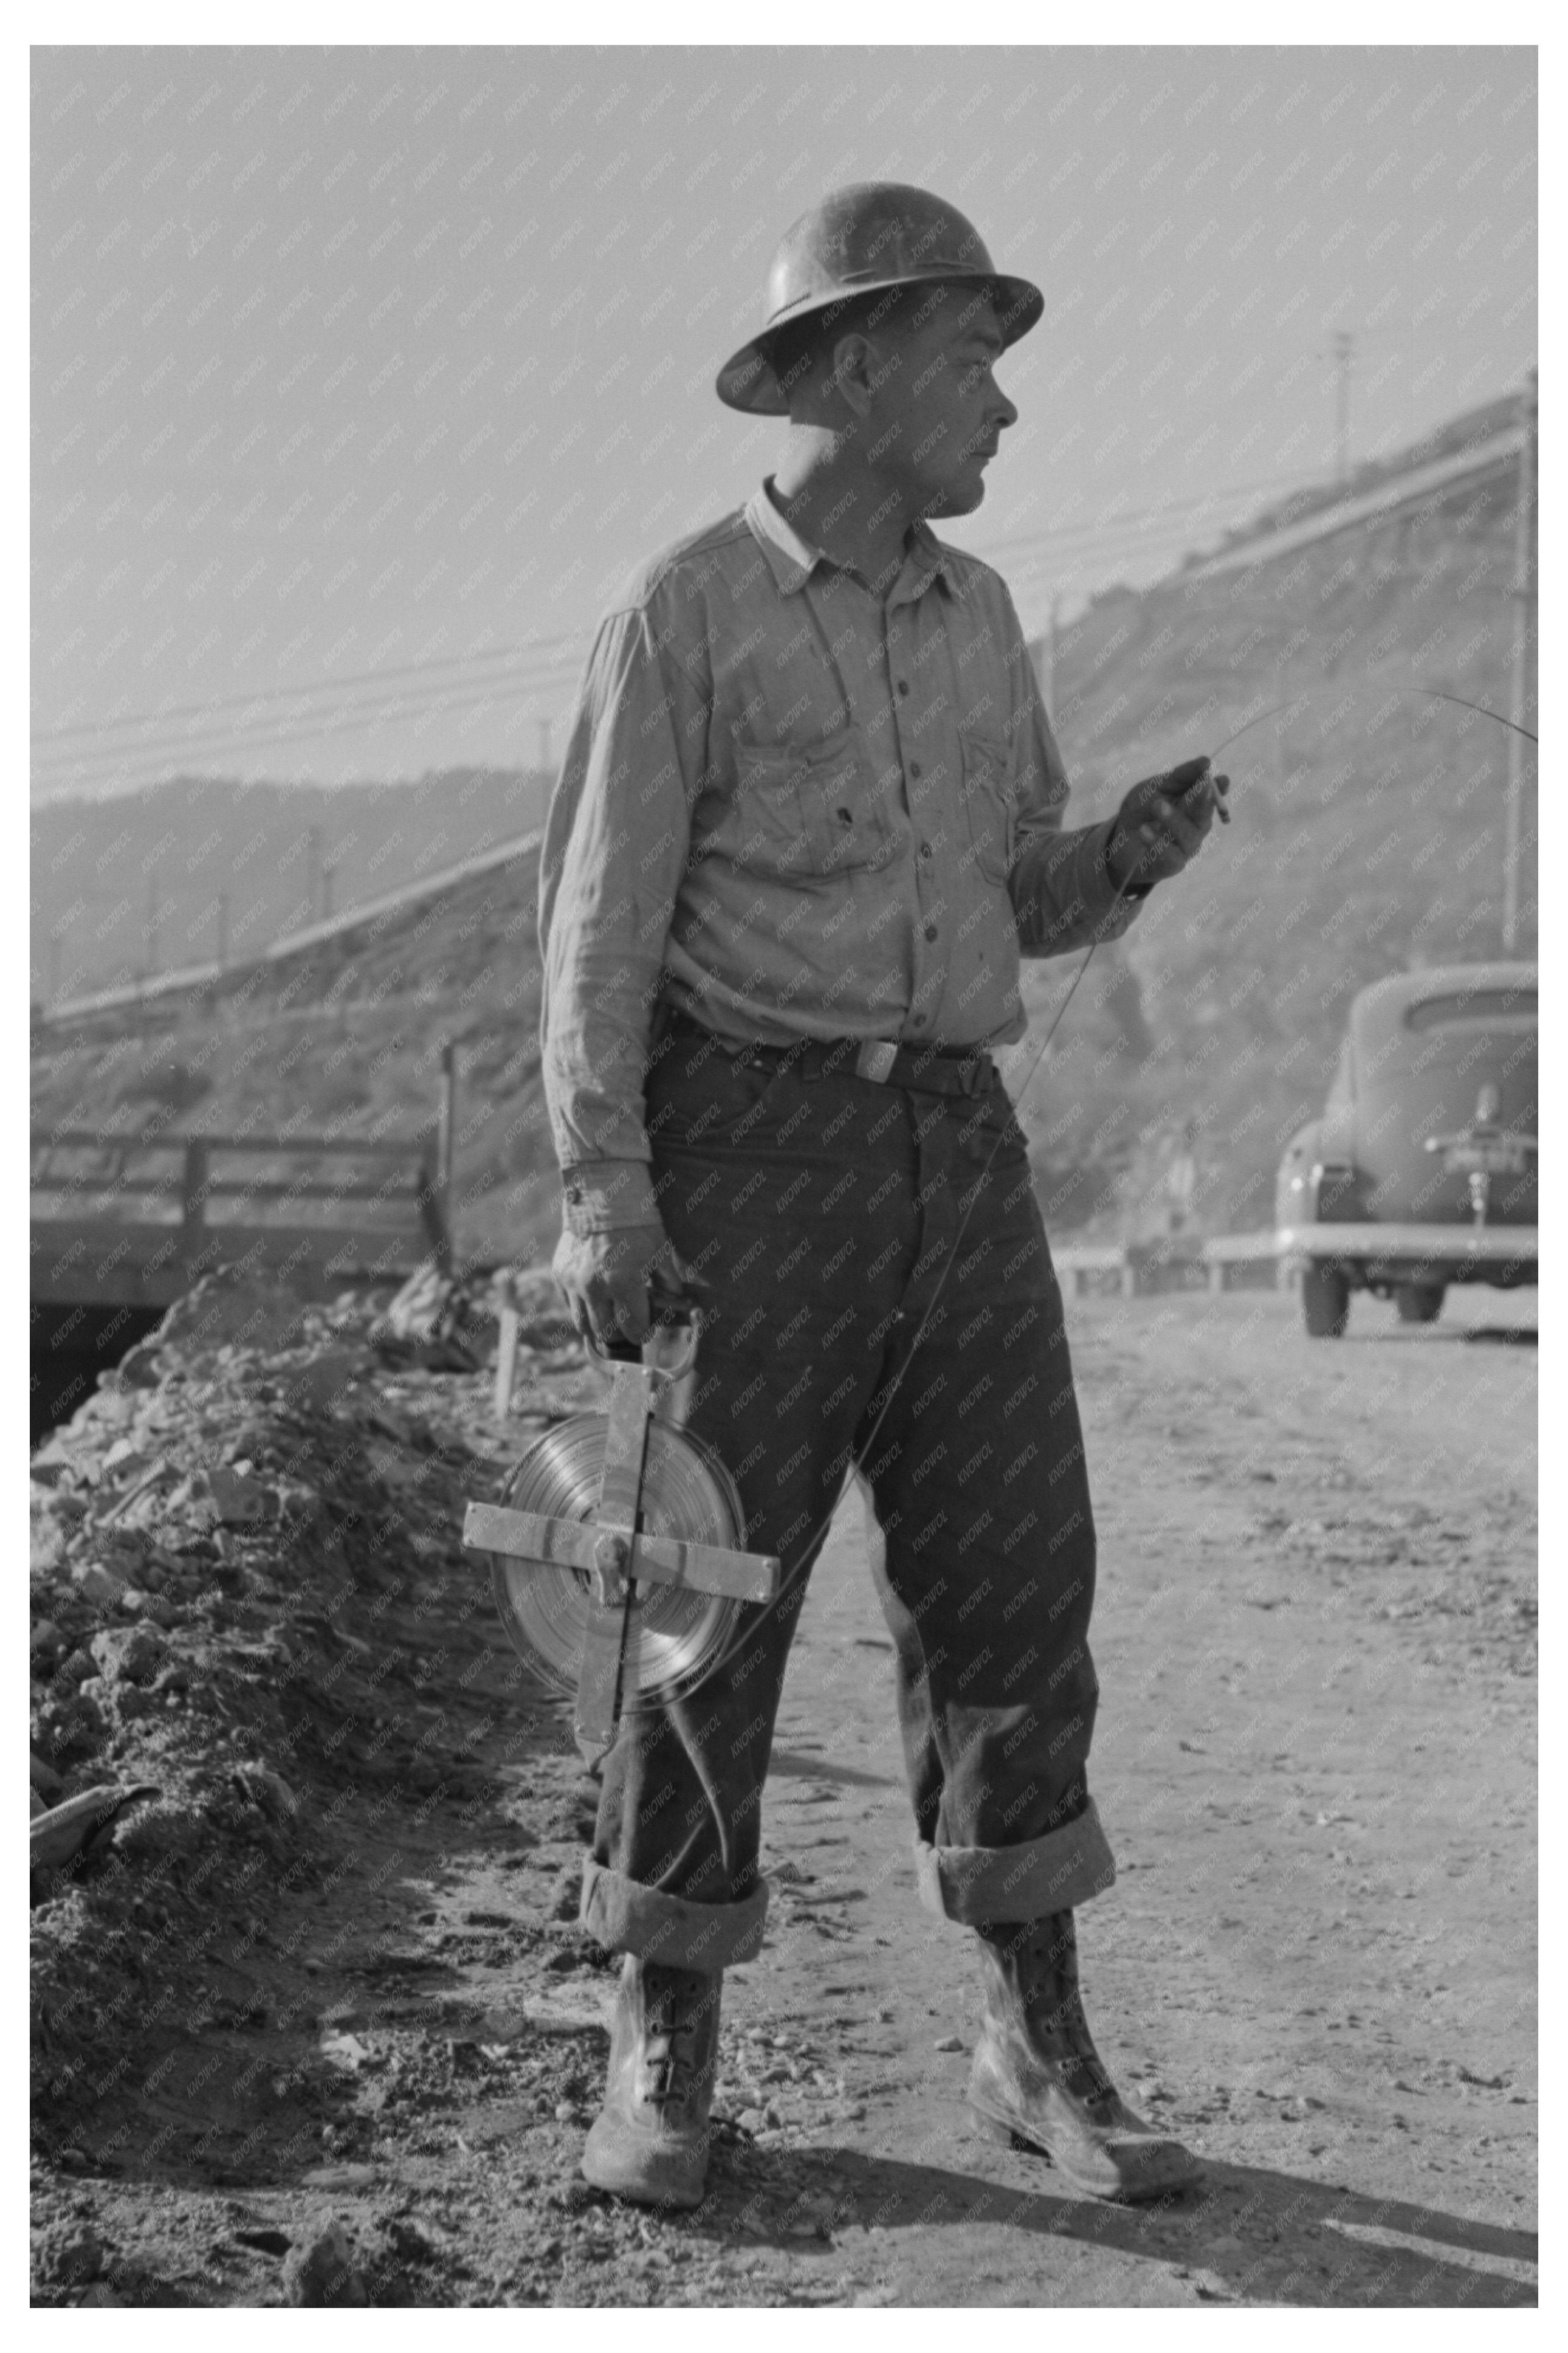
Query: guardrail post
(506, 1360)
(446, 1132)
(195, 1193)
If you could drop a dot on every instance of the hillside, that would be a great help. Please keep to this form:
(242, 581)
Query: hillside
(341, 1033)
(186, 872)
(1456, 438)
(1368, 834)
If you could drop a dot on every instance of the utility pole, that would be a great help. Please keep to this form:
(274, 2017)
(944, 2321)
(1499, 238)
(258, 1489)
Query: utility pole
(222, 930)
(1343, 357)
(314, 875)
(326, 892)
(1521, 700)
(154, 921)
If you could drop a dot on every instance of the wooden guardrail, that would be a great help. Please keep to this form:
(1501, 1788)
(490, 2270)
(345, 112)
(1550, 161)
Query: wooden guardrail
(1171, 1264)
(121, 1219)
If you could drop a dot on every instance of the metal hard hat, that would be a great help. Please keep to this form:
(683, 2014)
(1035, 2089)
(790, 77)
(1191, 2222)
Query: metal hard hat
(859, 240)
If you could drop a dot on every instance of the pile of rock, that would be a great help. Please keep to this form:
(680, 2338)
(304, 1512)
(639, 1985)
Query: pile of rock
(448, 1324)
(238, 1550)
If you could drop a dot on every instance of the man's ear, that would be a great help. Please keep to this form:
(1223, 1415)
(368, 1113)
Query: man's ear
(858, 370)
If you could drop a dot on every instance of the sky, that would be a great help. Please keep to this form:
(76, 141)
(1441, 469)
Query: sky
(361, 379)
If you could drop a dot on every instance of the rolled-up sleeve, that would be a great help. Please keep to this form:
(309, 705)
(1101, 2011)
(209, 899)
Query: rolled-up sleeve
(616, 844)
(1062, 895)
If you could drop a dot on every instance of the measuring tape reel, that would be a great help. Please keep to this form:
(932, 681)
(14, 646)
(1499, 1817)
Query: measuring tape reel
(616, 1553)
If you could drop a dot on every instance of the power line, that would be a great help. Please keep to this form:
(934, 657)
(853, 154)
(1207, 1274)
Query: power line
(348, 717)
(133, 763)
(143, 762)
(59, 761)
(1172, 510)
(286, 695)
(538, 667)
(1182, 512)
(552, 648)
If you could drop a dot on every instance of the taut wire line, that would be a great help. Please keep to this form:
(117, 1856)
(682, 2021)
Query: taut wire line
(753, 1617)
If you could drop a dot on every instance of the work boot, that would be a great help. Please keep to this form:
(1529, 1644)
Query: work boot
(650, 2140)
(1037, 2077)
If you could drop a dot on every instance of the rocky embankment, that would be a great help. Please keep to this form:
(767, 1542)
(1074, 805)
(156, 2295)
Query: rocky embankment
(308, 1847)
(251, 1619)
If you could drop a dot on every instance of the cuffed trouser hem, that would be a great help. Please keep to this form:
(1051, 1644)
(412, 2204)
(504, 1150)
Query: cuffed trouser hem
(625, 1916)
(1054, 1873)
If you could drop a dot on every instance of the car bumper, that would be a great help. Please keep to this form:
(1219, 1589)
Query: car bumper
(1411, 1251)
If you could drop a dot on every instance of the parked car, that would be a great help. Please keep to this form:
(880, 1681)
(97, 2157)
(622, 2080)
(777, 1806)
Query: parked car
(1421, 1170)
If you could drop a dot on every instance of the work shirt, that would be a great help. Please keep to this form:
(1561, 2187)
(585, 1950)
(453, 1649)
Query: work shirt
(794, 808)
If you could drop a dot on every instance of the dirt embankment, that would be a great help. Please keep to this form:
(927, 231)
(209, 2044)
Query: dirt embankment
(315, 2022)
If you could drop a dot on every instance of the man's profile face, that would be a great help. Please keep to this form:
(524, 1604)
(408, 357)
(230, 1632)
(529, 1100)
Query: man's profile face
(938, 411)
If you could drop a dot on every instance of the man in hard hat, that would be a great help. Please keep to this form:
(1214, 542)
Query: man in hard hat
(810, 814)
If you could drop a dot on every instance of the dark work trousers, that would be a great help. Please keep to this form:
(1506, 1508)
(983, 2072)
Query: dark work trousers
(822, 1210)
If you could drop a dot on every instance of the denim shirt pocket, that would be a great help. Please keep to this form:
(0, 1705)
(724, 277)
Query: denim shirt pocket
(990, 802)
(800, 811)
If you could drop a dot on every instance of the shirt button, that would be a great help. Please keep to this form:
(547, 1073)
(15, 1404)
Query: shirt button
(914, 767)
(930, 931)
(920, 1021)
(925, 850)
(903, 686)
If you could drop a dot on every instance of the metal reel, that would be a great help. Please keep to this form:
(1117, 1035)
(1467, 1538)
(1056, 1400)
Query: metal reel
(674, 1634)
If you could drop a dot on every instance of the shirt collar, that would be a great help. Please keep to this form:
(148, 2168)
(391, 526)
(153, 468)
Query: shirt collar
(792, 560)
(927, 560)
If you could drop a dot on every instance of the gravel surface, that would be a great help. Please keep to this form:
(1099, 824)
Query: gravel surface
(314, 2023)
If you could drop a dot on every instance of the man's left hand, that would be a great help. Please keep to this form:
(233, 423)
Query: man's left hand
(1162, 824)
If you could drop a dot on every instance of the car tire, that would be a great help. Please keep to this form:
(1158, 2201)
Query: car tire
(1418, 1302)
(1325, 1301)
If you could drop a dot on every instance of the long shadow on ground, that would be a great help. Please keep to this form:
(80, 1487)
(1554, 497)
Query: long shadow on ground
(1248, 2232)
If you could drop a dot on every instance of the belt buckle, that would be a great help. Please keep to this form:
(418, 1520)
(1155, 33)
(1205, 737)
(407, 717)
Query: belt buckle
(874, 1060)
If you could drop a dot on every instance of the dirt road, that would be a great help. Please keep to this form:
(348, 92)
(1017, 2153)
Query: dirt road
(1315, 1636)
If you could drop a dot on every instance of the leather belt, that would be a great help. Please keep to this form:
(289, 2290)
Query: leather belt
(933, 1070)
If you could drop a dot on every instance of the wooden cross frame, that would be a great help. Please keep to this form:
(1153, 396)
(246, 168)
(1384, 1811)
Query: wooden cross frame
(617, 1556)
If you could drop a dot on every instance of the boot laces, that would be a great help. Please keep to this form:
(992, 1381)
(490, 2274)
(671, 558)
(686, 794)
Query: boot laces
(1049, 1989)
(1088, 2076)
(670, 2031)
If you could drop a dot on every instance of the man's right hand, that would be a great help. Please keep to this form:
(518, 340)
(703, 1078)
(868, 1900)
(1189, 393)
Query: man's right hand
(605, 1280)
